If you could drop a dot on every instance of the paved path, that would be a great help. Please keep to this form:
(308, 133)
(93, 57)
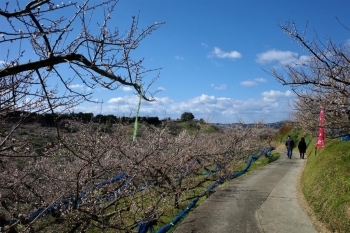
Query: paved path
(264, 201)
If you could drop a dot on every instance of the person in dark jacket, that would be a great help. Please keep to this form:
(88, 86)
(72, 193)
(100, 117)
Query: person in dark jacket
(290, 145)
(302, 147)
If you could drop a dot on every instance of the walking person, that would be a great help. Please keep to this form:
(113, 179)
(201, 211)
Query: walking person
(302, 147)
(289, 144)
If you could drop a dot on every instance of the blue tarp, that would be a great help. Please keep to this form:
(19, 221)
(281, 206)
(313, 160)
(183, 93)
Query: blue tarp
(72, 202)
(344, 137)
(178, 217)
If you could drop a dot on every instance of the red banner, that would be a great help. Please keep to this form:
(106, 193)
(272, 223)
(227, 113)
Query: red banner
(320, 137)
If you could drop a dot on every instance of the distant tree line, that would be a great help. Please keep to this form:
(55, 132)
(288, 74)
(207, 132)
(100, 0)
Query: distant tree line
(50, 120)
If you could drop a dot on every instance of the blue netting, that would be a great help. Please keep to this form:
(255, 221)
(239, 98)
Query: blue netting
(344, 137)
(72, 202)
(103, 183)
(216, 169)
(178, 217)
(143, 227)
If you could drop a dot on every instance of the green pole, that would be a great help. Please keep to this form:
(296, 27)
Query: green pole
(136, 120)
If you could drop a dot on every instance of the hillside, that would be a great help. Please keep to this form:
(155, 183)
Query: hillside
(325, 183)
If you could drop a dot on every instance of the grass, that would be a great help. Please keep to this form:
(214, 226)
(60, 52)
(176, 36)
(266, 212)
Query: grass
(325, 183)
(191, 127)
(263, 161)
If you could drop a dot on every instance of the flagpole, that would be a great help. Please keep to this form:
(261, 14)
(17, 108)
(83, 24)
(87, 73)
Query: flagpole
(321, 131)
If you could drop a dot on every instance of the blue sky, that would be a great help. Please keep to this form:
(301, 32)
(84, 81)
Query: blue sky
(212, 55)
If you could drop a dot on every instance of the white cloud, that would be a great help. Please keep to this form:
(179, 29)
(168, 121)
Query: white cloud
(204, 45)
(260, 80)
(220, 87)
(178, 58)
(255, 82)
(77, 86)
(203, 99)
(163, 100)
(4, 63)
(272, 95)
(127, 88)
(248, 83)
(127, 100)
(217, 52)
(283, 57)
(271, 106)
(117, 100)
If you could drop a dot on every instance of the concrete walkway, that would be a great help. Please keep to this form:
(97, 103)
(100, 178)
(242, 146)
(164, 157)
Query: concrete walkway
(264, 201)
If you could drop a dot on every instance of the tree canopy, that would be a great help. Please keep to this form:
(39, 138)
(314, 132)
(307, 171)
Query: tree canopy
(47, 47)
(320, 79)
(187, 116)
